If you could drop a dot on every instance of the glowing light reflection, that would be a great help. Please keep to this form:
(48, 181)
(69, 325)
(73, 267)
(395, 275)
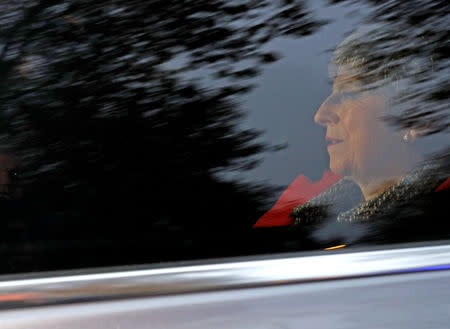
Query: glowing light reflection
(336, 247)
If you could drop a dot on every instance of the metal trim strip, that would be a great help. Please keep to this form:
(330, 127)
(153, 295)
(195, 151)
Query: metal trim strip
(121, 284)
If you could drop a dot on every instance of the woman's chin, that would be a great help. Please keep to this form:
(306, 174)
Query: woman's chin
(339, 169)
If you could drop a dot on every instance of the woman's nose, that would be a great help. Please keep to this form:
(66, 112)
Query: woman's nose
(326, 114)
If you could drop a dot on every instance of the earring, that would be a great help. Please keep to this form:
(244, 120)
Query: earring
(406, 137)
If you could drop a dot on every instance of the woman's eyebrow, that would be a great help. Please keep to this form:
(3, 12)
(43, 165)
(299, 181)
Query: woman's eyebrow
(345, 84)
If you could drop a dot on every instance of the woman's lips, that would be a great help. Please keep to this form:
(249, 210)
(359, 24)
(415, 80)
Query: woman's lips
(333, 141)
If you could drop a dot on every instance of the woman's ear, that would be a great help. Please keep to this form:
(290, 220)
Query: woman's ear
(414, 133)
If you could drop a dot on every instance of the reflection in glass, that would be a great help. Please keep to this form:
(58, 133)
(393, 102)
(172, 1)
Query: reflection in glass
(121, 145)
(117, 153)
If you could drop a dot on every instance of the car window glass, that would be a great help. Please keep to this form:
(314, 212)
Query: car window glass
(136, 132)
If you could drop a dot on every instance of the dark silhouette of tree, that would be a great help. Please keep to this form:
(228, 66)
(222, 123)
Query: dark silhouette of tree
(120, 148)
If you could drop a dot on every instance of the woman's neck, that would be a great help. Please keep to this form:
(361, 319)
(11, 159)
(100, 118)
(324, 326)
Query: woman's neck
(373, 185)
(373, 189)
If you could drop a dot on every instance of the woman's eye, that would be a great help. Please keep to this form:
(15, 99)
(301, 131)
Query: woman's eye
(338, 98)
(349, 95)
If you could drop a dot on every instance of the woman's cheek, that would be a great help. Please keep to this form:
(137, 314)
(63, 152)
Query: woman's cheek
(361, 131)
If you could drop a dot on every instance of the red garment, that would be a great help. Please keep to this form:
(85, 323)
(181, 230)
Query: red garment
(445, 185)
(300, 191)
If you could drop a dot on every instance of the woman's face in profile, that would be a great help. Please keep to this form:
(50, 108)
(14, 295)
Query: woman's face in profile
(359, 141)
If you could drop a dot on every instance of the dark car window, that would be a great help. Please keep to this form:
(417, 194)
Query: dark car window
(135, 132)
